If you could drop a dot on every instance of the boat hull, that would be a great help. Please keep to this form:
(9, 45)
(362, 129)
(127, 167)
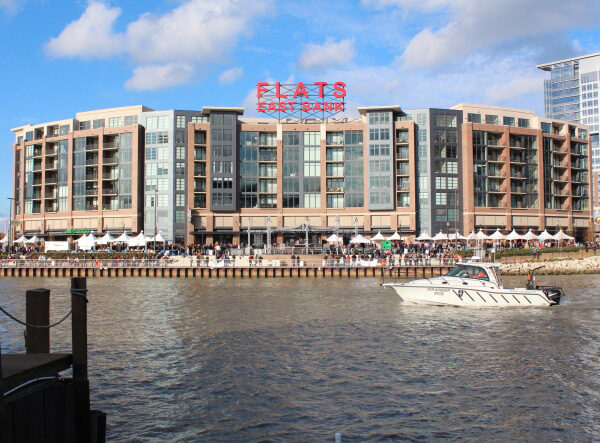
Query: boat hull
(473, 297)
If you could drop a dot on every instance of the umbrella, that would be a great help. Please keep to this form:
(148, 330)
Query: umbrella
(440, 236)
(21, 239)
(359, 239)
(424, 236)
(378, 237)
(497, 235)
(394, 236)
(105, 239)
(545, 236)
(123, 238)
(529, 236)
(32, 241)
(560, 235)
(514, 235)
(333, 239)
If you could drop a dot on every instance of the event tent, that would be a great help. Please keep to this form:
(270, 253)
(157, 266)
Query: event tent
(359, 239)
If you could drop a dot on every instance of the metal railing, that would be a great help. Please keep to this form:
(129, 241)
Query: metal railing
(237, 262)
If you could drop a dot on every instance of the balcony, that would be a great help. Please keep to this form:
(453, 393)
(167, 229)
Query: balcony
(37, 182)
(91, 161)
(91, 192)
(51, 166)
(51, 194)
(494, 157)
(37, 167)
(51, 208)
(199, 172)
(402, 154)
(91, 177)
(50, 151)
(518, 159)
(110, 191)
(91, 146)
(268, 155)
(91, 207)
(109, 146)
(110, 160)
(110, 175)
(402, 170)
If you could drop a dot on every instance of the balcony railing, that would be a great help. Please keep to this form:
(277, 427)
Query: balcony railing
(91, 207)
(91, 191)
(110, 191)
(90, 177)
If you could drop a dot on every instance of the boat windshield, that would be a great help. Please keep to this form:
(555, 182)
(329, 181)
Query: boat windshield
(465, 271)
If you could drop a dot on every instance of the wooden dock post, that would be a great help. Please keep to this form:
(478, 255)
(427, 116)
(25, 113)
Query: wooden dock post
(81, 385)
(37, 312)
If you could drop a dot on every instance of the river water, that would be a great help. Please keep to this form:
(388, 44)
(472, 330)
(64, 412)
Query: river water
(300, 359)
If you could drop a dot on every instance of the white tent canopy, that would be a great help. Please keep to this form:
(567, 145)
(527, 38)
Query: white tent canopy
(560, 235)
(21, 239)
(529, 236)
(514, 235)
(440, 236)
(481, 235)
(106, 239)
(471, 236)
(138, 240)
(160, 239)
(497, 235)
(378, 237)
(457, 236)
(394, 236)
(32, 241)
(333, 238)
(359, 239)
(424, 236)
(545, 236)
(123, 238)
(81, 239)
(4, 240)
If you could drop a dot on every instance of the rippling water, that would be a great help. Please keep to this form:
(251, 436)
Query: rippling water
(301, 359)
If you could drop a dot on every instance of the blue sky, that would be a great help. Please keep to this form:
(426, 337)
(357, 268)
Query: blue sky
(63, 57)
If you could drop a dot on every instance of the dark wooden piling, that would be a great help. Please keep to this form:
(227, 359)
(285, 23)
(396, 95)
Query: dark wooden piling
(81, 385)
(37, 313)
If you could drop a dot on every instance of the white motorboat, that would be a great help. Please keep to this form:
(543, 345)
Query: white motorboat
(475, 284)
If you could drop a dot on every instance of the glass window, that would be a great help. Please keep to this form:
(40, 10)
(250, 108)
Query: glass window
(474, 118)
(180, 119)
(508, 121)
(491, 119)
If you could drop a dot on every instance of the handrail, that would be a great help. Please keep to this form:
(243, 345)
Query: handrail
(212, 261)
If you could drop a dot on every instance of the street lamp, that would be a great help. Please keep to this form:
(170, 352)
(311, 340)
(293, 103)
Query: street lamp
(155, 207)
(9, 221)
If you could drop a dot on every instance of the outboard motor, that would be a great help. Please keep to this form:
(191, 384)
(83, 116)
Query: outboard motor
(554, 294)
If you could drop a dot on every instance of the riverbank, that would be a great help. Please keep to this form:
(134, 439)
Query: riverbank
(558, 265)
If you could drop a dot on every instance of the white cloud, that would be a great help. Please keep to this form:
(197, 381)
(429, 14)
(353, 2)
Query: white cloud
(90, 36)
(197, 33)
(159, 76)
(328, 55)
(11, 6)
(230, 75)
(473, 25)
(519, 86)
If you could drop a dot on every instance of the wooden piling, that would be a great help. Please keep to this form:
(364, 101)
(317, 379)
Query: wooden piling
(81, 386)
(37, 340)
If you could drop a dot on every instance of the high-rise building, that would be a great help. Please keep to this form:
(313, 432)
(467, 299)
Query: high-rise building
(571, 94)
(216, 176)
